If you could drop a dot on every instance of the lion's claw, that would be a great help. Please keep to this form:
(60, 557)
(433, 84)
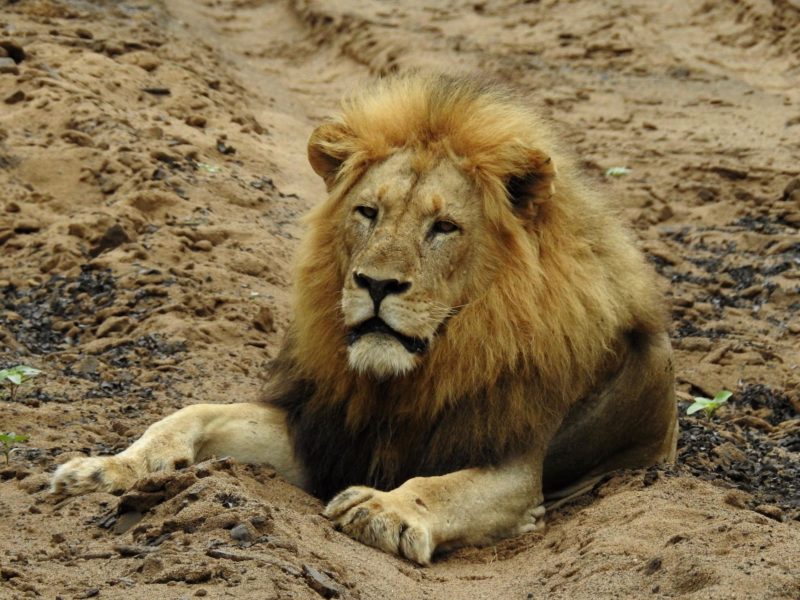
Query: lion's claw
(386, 520)
(94, 474)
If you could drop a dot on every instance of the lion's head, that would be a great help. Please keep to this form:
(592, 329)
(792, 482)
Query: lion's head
(450, 250)
(409, 238)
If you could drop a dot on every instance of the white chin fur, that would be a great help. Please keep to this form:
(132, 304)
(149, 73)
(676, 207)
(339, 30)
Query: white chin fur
(380, 355)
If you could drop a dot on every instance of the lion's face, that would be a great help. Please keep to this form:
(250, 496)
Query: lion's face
(408, 239)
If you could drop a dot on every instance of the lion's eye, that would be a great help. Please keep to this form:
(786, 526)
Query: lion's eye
(367, 212)
(444, 227)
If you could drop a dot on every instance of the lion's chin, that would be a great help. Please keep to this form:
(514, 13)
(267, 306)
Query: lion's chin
(381, 355)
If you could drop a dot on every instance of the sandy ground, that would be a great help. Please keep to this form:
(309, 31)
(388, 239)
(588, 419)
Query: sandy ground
(152, 176)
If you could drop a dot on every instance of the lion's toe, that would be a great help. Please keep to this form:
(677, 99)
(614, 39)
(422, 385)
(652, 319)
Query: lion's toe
(344, 501)
(533, 520)
(94, 474)
(381, 520)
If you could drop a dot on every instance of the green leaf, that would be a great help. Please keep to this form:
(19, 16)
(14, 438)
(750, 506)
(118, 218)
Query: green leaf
(13, 438)
(208, 168)
(617, 171)
(722, 397)
(709, 405)
(19, 374)
(697, 406)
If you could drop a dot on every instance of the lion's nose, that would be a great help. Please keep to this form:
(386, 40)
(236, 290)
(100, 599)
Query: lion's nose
(380, 288)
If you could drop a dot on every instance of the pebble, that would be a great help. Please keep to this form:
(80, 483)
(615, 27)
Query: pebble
(196, 121)
(264, 321)
(13, 51)
(321, 583)
(792, 188)
(78, 138)
(8, 66)
(242, 533)
(15, 98)
(112, 237)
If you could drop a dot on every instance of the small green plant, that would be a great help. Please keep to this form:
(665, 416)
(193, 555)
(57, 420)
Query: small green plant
(709, 405)
(617, 171)
(9, 440)
(14, 377)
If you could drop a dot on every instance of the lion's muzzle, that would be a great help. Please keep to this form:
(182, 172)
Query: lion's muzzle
(378, 325)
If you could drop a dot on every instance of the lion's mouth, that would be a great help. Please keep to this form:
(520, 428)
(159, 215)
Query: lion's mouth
(378, 325)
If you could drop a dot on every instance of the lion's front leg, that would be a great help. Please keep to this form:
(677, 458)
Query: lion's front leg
(473, 506)
(251, 433)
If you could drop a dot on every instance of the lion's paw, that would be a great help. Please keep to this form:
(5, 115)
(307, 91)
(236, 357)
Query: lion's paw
(96, 474)
(532, 520)
(395, 522)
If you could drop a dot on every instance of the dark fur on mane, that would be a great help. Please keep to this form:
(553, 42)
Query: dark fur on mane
(389, 448)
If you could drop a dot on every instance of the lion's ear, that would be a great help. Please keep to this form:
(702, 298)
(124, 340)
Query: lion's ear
(533, 185)
(328, 147)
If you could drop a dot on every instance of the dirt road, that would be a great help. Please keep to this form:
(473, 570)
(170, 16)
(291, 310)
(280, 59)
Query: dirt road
(153, 173)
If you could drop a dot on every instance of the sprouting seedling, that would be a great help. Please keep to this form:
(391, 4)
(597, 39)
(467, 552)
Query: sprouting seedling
(709, 405)
(617, 171)
(14, 377)
(9, 440)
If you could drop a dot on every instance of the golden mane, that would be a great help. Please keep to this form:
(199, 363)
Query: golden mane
(561, 282)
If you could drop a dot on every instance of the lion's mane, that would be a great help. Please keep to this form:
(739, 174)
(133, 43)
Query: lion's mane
(563, 284)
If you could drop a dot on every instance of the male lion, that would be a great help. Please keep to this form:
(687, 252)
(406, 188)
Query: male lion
(474, 333)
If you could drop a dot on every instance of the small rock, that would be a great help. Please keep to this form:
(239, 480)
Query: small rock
(242, 533)
(729, 173)
(224, 554)
(321, 583)
(132, 550)
(224, 148)
(264, 320)
(15, 98)
(791, 189)
(13, 51)
(90, 593)
(113, 236)
(201, 592)
(144, 60)
(652, 566)
(78, 138)
(88, 366)
(194, 120)
(203, 245)
(84, 34)
(8, 66)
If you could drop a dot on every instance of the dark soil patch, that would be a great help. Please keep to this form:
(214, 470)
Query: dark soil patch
(745, 450)
(51, 316)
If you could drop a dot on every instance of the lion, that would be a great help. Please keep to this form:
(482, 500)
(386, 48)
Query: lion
(475, 334)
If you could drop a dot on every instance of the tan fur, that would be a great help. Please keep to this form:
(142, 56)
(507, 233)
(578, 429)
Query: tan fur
(562, 288)
(536, 357)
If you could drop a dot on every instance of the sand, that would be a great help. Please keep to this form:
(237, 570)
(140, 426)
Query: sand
(152, 180)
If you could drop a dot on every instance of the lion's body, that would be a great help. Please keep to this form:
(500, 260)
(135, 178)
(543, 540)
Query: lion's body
(466, 310)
